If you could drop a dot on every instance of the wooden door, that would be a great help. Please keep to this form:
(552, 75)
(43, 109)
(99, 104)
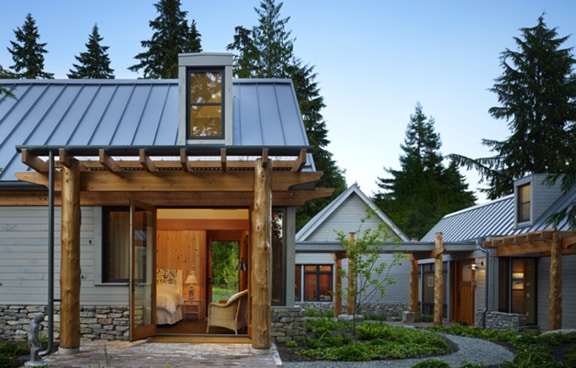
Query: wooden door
(464, 292)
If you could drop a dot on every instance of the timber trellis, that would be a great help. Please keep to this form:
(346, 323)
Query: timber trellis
(169, 176)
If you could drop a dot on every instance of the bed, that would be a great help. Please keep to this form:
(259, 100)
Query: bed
(168, 296)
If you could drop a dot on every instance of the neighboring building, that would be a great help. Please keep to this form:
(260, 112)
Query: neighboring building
(521, 277)
(134, 179)
(317, 244)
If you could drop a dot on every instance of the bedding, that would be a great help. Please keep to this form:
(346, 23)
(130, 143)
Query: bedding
(169, 296)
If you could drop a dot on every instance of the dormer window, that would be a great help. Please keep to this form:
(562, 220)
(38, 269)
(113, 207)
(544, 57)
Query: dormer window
(524, 203)
(205, 101)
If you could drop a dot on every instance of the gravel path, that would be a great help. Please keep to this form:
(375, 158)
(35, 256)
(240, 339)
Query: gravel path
(469, 350)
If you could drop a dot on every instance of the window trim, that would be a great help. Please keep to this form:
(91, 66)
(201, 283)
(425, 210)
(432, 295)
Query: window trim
(99, 271)
(318, 273)
(522, 202)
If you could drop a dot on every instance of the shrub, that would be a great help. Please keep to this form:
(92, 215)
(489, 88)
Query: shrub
(431, 363)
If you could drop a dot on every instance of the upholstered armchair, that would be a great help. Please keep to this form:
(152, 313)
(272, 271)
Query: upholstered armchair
(232, 315)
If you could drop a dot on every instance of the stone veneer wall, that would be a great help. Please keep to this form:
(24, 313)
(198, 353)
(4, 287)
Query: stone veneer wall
(288, 324)
(501, 321)
(390, 310)
(96, 323)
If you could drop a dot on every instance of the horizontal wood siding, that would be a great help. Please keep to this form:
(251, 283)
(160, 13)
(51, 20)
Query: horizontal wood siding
(24, 258)
(568, 291)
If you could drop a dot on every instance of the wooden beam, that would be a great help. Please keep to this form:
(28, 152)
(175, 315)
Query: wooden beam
(70, 257)
(338, 288)
(184, 162)
(147, 162)
(438, 281)
(352, 291)
(300, 162)
(529, 248)
(108, 161)
(265, 160)
(261, 272)
(555, 297)
(65, 158)
(223, 160)
(34, 162)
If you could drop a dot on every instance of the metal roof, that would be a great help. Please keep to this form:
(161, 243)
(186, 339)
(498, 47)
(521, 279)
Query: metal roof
(495, 218)
(143, 112)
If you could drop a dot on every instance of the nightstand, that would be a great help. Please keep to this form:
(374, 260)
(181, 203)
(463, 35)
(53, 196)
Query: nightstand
(192, 310)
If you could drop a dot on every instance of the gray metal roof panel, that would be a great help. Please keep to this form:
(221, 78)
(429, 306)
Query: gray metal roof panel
(135, 112)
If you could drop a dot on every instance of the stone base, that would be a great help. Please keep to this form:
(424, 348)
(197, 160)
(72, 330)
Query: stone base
(37, 363)
(409, 317)
(68, 351)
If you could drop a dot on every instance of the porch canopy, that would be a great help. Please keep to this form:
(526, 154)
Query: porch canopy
(546, 243)
(166, 176)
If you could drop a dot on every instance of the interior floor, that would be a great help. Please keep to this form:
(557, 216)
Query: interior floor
(191, 327)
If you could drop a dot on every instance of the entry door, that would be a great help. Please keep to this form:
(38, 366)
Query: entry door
(465, 293)
(142, 267)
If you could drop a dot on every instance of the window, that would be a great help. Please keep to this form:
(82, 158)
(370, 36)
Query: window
(115, 244)
(278, 274)
(523, 203)
(205, 103)
(317, 282)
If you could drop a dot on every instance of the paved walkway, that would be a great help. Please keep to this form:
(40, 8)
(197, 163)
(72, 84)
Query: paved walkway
(122, 354)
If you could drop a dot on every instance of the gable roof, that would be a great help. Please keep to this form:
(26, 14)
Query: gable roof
(327, 211)
(496, 219)
(143, 112)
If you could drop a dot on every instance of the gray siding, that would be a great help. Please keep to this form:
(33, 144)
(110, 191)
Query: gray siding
(568, 292)
(24, 258)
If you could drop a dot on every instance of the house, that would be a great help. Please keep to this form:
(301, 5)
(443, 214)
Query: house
(110, 188)
(522, 277)
(317, 247)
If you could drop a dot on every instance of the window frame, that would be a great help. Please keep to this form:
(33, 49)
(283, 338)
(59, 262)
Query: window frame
(524, 203)
(104, 216)
(301, 285)
(189, 104)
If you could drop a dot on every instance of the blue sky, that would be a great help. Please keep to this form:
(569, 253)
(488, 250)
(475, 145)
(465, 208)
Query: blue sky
(374, 59)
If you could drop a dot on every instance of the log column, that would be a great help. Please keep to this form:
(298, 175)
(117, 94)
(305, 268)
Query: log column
(338, 294)
(351, 298)
(438, 280)
(414, 285)
(70, 258)
(555, 297)
(260, 272)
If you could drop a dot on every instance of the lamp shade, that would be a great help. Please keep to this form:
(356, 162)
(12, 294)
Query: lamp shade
(191, 279)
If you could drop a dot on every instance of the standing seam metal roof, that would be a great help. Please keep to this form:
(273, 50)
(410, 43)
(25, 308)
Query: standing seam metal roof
(139, 112)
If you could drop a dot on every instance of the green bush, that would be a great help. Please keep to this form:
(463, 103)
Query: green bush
(431, 363)
(7, 362)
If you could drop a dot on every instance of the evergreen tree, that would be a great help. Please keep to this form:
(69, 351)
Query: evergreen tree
(5, 74)
(423, 191)
(95, 62)
(28, 53)
(537, 93)
(172, 36)
(266, 51)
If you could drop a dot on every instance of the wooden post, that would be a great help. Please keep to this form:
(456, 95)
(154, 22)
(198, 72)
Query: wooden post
(414, 286)
(338, 292)
(555, 297)
(351, 297)
(260, 272)
(70, 258)
(438, 281)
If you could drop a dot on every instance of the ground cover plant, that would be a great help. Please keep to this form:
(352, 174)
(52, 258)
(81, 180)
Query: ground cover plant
(9, 353)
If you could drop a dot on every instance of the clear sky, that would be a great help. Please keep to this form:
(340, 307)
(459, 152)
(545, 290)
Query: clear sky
(374, 59)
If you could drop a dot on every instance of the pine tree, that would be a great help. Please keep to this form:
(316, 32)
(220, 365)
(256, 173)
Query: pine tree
(172, 36)
(537, 93)
(266, 51)
(423, 191)
(28, 53)
(95, 62)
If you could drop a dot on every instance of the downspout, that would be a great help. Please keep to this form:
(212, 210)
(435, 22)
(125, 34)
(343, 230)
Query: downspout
(50, 256)
(487, 283)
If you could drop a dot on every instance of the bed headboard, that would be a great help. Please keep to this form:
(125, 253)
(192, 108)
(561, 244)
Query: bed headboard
(169, 276)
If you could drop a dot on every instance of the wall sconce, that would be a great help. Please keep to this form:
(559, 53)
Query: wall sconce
(241, 265)
(191, 280)
(476, 267)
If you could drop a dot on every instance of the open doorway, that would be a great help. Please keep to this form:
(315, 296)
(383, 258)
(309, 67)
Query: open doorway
(204, 247)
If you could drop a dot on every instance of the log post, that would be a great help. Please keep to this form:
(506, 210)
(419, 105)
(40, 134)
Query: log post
(351, 297)
(414, 285)
(260, 272)
(555, 297)
(438, 281)
(70, 258)
(338, 288)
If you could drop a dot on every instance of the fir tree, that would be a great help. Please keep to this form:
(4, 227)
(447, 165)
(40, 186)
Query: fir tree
(95, 62)
(172, 36)
(28, 53)
(537, 93)
(266, 51)
(423, 191)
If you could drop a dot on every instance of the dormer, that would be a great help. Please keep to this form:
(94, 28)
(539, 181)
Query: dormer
(205, 98)
(532, 197)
